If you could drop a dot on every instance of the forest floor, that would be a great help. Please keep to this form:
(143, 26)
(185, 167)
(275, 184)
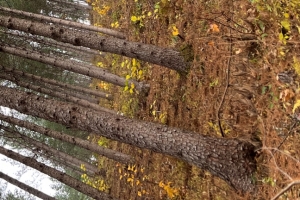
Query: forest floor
(238, 49)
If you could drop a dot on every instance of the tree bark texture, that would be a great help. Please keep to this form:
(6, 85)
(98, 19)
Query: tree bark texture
(149, 53)
(54, 43)
(50, 150)
(52, 93)
(76, 67)
(58, 83)
(230, 159)
(60, 176)
(26, 187)
(111, 154)
(65, 22)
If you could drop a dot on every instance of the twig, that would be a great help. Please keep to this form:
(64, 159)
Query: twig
(287, 135)
(277, 167)
(226, 88)
(295, 182)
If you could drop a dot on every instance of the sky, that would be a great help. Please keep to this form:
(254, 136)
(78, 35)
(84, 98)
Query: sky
(22, 172)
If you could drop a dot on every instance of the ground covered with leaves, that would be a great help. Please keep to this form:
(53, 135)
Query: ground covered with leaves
(243, 83)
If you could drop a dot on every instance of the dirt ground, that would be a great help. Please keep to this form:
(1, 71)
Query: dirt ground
(232, 88)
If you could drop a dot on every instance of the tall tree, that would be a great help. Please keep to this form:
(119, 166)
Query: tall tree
(117, 156)
(58, 83)
(230, 159)
(44, 147)
(73, 66)
(64, 22)
(26, 187)
(62, 177)
(150, 53)
(52, 93)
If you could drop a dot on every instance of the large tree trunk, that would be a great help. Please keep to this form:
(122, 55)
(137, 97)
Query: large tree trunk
(60, 84)
(60, 176)
(76, 67)
(230, 159)
(50, 150)
(150, 53)
(111, 154)
(26, 187)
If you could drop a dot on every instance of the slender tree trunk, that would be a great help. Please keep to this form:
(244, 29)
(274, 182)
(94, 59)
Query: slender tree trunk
(50, 150)
(150, 53)
(77, 68)
(60, 95)
(51, 42)
(62, 177)
(230, 159)
(65, 22)
(60, 84)
(111, 154)
(26, 187)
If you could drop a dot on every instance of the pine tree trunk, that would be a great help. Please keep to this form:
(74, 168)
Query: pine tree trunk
(26, 187)
(60, 176)
(50, 150)
(230, 159)
(60, 84)
(111, 154)
(149, 53)
(62, 96)
(76, 67)
(77, 25)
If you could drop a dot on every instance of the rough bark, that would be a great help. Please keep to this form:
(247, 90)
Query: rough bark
(150, 53)
(26, 187)
(60, 176)
(51, 42)
(76, 67)
(50, 150)
(65, 22)
(52, 93)
(111, 154)
(230, 159)
(60, 84)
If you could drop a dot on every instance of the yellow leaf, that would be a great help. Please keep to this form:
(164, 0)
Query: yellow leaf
(138, 182)
(139, 194)
(296, 105)
(132, 86)
(149, 14)
(133, 62)
(175, 31)
(134, 18)
(161, 184)
(286, 24)
(127, 77)
(296, 65)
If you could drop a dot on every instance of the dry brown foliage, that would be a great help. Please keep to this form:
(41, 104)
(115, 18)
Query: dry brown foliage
(231, 88)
